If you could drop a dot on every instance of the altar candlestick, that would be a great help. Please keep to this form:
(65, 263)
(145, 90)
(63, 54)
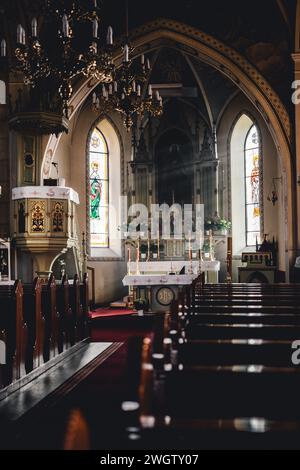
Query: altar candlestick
(211, 244)
(148, 256)
(158, 245)
(137, 257)
(129, 261)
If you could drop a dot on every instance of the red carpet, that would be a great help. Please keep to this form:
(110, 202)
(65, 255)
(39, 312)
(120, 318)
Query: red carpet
(110, 312)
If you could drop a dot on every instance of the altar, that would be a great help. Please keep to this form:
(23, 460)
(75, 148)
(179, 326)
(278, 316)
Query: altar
(159, 282)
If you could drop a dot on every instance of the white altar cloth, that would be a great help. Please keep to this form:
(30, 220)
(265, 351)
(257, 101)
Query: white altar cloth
(157, 280)
(165, 267)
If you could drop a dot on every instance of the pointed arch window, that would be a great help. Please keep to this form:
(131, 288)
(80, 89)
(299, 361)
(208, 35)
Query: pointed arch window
(98, 190)
(252, 153)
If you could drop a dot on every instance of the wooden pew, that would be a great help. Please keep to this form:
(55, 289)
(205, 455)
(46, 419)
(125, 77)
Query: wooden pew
(36, 324)
(85, 306)
(67, 326)
(74, 293)
(224, 366)
(13, 332)
(49, 309)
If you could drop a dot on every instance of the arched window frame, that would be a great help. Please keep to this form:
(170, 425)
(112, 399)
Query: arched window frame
(2, 92)
(105, 244)
(258, 149)
(239, 131)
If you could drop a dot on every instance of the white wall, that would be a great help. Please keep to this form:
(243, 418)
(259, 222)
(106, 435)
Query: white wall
(109, 265)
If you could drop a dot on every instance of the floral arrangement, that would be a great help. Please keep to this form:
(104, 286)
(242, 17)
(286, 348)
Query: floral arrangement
(216, 223)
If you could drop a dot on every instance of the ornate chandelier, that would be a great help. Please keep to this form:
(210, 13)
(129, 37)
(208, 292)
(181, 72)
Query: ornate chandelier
(63, 52)
(129, 93)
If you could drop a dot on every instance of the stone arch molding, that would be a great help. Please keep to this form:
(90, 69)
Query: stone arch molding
(223, 58)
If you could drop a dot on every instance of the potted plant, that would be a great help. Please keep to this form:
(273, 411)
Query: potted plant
(217, 225)
(141, 305)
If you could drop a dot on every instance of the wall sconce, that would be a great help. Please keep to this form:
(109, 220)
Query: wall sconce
(273, 196)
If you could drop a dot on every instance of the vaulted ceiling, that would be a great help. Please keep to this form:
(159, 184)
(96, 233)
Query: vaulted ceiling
(262, 30)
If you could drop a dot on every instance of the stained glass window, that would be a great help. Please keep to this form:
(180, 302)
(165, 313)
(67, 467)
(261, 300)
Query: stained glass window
(98, 190)
(252, 186)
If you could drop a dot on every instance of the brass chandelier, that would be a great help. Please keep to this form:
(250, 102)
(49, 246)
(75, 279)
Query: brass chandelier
(63, 53)
(129, 93)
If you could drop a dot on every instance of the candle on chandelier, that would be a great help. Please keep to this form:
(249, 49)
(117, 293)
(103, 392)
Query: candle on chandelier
(95, 4)
(109, 38)
(133, 86)
(157, 95)
(110, 89)
(142, 59)
(3, 48)
(23, 37)
(115, 87)
(95, 28)
(150, 90)
(94, 98)
(139, 90)
(126, 53)
(19, 34)
(34, 28)
(66, 28)
(148, 64)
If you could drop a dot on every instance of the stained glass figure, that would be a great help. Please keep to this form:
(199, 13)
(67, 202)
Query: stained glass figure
(98, 190)
(252, 186)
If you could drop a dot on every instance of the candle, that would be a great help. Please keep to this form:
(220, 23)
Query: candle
(142, 59)
(19, 34)
(94, 98)
(126, 53)
(129, 255)
(65, 26)
(115, 87)
(158, 245)
(109, 38)
(110, 89)
(34, 28)
(133, 86)
(148, 64)
(3, 48)
(95, 29)
(150, 90)
(23, 37)
(139, 90)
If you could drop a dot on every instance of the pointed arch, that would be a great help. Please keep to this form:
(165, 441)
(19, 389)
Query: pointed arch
(233, 65)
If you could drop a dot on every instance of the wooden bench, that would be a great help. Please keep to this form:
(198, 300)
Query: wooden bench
(13, 333)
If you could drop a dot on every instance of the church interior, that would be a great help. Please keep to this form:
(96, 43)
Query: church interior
(149, 225)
